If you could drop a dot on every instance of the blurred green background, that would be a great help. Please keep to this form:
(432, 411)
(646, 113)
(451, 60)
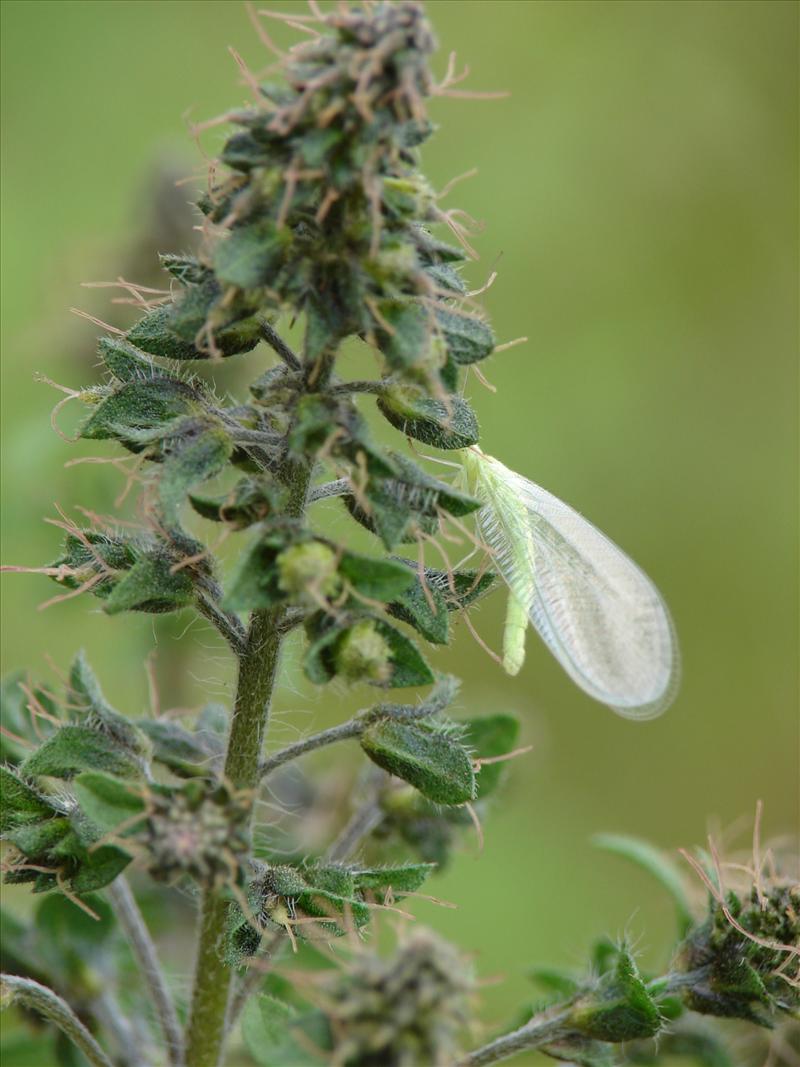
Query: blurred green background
(639, 193)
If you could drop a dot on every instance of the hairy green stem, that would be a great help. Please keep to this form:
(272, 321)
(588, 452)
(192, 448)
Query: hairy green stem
(439, 697)
(228, 625)
(548, 1027)
(39, 998)
(131, 921)
(257, 672)
(540, 1030)
(258, 669)
(342, 732)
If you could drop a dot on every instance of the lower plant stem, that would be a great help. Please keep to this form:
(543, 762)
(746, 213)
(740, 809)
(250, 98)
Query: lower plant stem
(144, 950)
(258, 669)
(39, 998)
(257, 672)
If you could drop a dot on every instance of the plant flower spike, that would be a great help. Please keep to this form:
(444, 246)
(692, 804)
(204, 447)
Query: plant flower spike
(597, 612)
(286, 857)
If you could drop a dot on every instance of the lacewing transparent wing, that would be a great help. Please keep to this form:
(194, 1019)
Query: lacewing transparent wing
(598, 613)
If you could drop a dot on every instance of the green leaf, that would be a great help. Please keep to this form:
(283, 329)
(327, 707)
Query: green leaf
(255, 582)
(141, 404)
(39, 838)
(433, 250)
(85, 696)
(153, 334)
(434, 763)
(69, 930)
(152, 586)
(84, 689)
(21, 803)
(250, 255)
(488, 736)
(105, 800)
(446, 277)
(212, 325)
(200, 451)
(397, 507)
(125, 361)
(619, 1008)
(317, 144)
(425, 493)
(243, 151)
(88, 704)
(468, 339)
(377, 579)
(319, 903)
(186, 754)
(99, 869)
(427, 609)
(404, 334)
(403, 879)
(447, 425)
(424, 609)
(73, 749)
(251, 500)
(657, 864)
(187, 269)
(276, 1034)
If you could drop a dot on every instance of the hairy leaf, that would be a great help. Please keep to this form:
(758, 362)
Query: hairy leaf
(433, 762)
(442, 424)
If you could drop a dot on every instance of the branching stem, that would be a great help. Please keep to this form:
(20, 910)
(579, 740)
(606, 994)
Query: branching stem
(342, 732)
(228, 625)
(278, 345)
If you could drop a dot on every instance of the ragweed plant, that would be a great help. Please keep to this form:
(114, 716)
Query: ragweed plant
(317, 211)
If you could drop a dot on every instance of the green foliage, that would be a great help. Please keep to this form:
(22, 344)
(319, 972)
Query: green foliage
(22, 804)
(276, 1033)
(73, 749)
(318, 213)
(362, 648)
(739, 954)
(619, 1008)
(443, 425)
(105, 800)
(432, 760)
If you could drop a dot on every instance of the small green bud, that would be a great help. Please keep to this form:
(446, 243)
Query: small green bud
(619, 1008)
(363, 654)
(309, 571)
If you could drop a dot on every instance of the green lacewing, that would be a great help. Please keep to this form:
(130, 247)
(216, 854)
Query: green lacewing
(597, 612)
